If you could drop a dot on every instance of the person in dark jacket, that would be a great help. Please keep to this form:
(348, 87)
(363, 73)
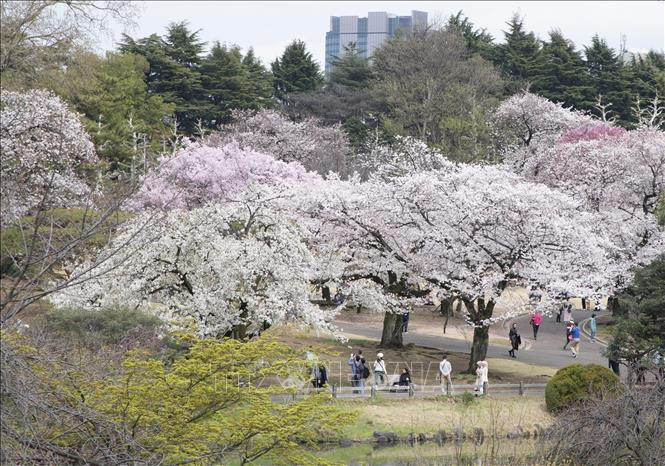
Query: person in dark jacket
(515, 340)
(405, 322)
(613, 363)
(319, 375)
(404, 378)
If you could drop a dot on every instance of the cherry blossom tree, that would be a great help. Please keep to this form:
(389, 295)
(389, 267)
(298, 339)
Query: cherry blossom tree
(200, 173)
(466, 230)
(49, 212)
(616, 173)
(527, 118)
(45, 150)
(318, 148)
(229, 269)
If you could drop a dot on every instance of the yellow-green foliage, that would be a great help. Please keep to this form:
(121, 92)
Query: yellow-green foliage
(209, 405)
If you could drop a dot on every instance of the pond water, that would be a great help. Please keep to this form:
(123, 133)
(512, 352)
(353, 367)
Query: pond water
(499, 452)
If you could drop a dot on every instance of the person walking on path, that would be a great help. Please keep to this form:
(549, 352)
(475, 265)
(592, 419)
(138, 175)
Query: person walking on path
(569, 326)
(481, 378)
(405, 322)
(592, 327)
(445, 370)
(515, 340)
(575, 340)
(379, 370)
(568, 313)
(536, 320)
(558, 315)
(357, 363)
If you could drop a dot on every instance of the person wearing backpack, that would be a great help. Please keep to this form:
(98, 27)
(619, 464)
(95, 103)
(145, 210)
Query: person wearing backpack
(358, 370)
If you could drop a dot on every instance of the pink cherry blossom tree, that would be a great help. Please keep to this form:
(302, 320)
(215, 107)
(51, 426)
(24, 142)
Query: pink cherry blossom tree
(200, 173)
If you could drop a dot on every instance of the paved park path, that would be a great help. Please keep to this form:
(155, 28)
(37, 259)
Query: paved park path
(545, 351)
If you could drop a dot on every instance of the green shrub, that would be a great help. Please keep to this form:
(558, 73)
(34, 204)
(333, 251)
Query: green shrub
(99, 327)
(576, 382)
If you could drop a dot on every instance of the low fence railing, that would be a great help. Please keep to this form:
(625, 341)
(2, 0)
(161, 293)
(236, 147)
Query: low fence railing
(412, 391)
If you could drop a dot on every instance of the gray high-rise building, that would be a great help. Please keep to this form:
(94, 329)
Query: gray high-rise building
(368, 33)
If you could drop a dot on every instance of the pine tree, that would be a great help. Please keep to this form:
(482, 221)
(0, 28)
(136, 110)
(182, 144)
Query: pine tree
(351, 70)
(519, 57)
(295, 71)
(562, 76)
(648, 75)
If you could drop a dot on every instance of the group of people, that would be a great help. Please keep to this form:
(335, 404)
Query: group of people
(573, 331)
(360, 372)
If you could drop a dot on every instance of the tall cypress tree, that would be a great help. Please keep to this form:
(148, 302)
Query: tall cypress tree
(562, 75)
(295, 71)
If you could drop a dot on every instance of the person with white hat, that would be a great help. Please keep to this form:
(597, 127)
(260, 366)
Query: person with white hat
(379, 370)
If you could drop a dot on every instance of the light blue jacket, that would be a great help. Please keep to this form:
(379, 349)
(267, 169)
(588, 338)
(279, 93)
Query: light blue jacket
(592, 324)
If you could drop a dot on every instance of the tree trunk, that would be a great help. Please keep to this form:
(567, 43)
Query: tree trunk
(613, 306)
(447, 310)
(392, 331)
(481, 338)
(481, 335)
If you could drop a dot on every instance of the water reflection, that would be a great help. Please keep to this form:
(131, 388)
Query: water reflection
(477, 453)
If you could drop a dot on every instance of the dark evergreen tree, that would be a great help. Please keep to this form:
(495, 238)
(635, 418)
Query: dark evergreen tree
(174, 71)
(562, 76)
(295, 71)
(478, 40)
(648, 75)
(609, 78)
(519, 57)
(351, 70)
(260, 80)
(226, 84)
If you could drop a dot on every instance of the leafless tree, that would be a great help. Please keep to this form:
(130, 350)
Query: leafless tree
(38, 32)
(44, 418)
(624, 429)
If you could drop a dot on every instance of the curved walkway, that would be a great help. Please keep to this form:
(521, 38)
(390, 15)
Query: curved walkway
(546, 350)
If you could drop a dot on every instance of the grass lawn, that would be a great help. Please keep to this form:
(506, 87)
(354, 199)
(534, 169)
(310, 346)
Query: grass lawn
(498, 415)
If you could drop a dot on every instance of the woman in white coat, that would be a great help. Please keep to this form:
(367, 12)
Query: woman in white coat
(481, 377)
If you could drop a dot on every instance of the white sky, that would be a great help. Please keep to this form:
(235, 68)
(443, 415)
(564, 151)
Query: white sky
(270, 26)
